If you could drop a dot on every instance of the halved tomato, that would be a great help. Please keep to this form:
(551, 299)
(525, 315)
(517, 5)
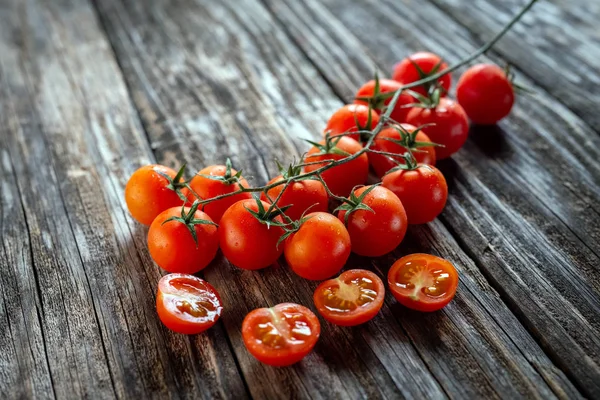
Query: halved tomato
(423, 282)
(352, 298)
(280, 335)
(187, 304)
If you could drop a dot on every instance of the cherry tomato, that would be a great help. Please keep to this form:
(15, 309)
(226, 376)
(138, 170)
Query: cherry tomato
(383, 163)
(368, 90)
(423, 282)
(375, 233)
(352, 298)
(352, 118)
(147, 194)
(320, 248)
(172, 245)
(423, 192)
(300, 195)
(486, 93)
(280, 335)
(247, 242)
(187, 304)
(406, 72)
(208, 188)
(342, 178)
(451, 125)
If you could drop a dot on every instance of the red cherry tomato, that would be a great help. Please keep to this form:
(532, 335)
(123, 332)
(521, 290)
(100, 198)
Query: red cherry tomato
(147, 194)
(375, 233)
(405, 71)
(352, 118)
(342, 178)
(486, 93)
(423, 282)
(300, 195)
(383, 163)
(451, 125)
(208, 188)
(423, 192)
(320, 248)
(385, 86)
(245, 241)
(172, 245)
(187, 304)
(352, 298)
(280, 335)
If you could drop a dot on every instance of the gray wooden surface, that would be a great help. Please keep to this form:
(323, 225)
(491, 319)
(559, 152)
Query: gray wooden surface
(91, 90)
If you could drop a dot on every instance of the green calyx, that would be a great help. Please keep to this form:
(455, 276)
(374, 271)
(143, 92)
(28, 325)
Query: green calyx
(408, 139)
(519, 88)
(430, 87)
(354, 203)
(329, 147)
(267, 216)
(229, 178)
(366, 131)
(176, 184)
(291, 171)
(378, 99)
(410, 163)
(189, 220)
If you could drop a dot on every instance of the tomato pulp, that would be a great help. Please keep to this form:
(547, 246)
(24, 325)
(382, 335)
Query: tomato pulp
(280, 335)
(423, 282)
(352, 298)
(187, 304)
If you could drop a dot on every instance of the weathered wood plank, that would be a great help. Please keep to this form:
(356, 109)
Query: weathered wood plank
(74, 139)
(221, 79)
(23, 362)
(557, 45)
(523, 196)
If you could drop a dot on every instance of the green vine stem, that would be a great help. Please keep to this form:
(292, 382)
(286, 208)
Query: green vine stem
(384, 119)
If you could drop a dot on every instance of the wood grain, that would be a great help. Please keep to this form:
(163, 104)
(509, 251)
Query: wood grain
(222, 80)
(73, 139)
(523, 195)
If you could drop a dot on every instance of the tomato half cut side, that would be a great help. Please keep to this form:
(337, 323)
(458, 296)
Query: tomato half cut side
(423, 282)
(187, 304)
(352, 298)
(280, 335)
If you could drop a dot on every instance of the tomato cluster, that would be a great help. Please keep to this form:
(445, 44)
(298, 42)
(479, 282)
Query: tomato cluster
(190, 220)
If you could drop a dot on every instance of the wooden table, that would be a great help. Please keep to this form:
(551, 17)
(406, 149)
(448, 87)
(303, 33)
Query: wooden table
(92, 89)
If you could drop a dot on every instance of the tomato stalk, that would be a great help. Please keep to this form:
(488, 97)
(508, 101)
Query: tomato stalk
(383, 121)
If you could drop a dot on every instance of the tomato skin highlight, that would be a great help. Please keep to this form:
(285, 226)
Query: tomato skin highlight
(208, 188)
(187, 304)
(147, 195)
(451, 127)
(423, 282)
(423, 192)
(405, 71)
(485, 93)
(374, 234)
(342, 178)
(320, 248)
(245, 241)
(345, 120)
(282, 335)
(385, 86)
(382, 163)
(301, 195)
(172, 246)
(336, 299)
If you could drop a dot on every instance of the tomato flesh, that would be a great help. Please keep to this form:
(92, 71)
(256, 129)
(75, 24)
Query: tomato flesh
(187, 304)
(281, 335)
(353, 298)
(423, 282)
